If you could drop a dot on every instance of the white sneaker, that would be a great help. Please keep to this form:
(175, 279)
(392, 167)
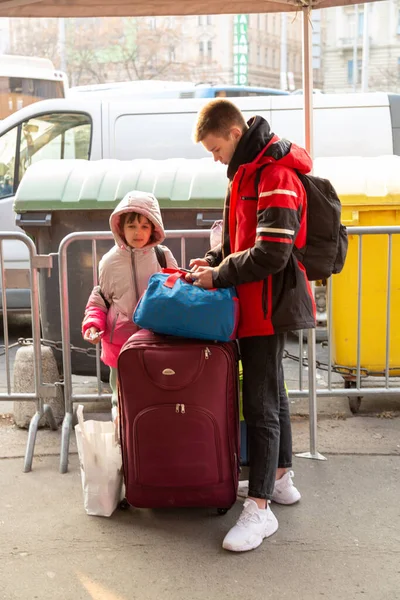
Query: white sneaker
(284, 490)
(254, 524)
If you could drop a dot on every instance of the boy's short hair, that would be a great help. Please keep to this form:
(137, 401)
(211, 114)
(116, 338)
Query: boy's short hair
(218, 117)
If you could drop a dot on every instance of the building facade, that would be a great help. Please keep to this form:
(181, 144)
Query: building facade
(343, 48)
(198, 48)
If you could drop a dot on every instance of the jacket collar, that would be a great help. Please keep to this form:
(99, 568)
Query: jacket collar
(252, 143)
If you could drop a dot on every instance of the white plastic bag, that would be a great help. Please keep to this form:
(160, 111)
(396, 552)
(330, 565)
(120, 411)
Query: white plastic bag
(101, 465)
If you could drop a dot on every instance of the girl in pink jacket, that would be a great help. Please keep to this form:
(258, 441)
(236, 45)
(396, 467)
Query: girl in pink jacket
(124, 272)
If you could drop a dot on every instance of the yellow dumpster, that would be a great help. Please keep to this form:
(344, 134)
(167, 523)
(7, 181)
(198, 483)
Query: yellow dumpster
(369, 189)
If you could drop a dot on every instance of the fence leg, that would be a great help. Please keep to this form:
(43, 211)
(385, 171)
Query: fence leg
(65, 435)
(30, 446)
(312, 387)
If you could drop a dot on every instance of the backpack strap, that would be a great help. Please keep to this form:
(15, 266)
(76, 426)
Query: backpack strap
(256, 185)
(106, 302)
(160, 254)
(258, 177)
(277, 150)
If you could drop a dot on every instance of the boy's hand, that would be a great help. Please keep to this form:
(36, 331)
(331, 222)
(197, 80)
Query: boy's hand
(195, 263)
(93, 335)
(202, 277)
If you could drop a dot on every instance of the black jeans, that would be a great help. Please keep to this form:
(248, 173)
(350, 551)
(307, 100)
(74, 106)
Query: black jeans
(266, 411)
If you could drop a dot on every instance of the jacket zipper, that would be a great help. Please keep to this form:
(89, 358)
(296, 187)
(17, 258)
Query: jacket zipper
(135, 283)
(265, 298)
(248, 198)
(113, 326)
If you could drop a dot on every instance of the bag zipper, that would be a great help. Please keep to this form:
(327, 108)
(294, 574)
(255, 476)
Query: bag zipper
(248, 198)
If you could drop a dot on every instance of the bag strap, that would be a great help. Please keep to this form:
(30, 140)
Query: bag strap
(173, 278)
(160, 254)
(175, 274)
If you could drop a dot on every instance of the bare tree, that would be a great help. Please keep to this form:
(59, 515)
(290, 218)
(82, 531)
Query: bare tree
(385, 79)
(100, 50)
(87, 45)
(35, 37)
(150, 48)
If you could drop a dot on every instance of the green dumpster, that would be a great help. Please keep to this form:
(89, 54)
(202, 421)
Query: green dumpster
(56, 198)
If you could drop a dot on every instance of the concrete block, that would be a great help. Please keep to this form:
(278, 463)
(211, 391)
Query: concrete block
(24, 383)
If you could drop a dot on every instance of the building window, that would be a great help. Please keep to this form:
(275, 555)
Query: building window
(398, 23)
(360, 24)
(273, 58)
(258, 55)
(350, 70)
(201, 51)
(200, 20)
(209, 51)
(209, 20)
(266, 57)
(355, 29)
(258, 21)
(171, 54)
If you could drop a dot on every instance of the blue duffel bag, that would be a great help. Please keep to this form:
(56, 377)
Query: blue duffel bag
(173, 306)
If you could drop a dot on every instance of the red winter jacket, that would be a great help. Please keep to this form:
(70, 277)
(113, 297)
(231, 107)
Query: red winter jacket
(264, 217)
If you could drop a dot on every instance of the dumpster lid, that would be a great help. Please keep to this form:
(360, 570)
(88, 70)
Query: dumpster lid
(51, 185)
(363, 181)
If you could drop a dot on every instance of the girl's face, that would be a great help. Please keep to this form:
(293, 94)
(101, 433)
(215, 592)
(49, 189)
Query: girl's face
(138, 233)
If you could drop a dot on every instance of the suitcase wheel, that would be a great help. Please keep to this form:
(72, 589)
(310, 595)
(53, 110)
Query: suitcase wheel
(222, 511)
(124, 504)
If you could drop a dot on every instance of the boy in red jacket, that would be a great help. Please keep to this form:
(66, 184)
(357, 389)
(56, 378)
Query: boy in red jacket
(264, 220)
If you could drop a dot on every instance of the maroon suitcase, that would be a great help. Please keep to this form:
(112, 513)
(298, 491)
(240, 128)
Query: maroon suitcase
(179, 425)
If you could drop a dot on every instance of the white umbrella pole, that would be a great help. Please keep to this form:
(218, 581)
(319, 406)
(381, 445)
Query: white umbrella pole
(308, 123)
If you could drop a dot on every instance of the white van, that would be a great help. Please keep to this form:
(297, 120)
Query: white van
(344, 125)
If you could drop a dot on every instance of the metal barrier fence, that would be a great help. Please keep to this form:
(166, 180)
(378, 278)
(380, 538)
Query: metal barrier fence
(342, 380)
(41, 390)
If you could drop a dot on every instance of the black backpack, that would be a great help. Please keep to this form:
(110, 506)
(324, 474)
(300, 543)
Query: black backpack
(324, 253)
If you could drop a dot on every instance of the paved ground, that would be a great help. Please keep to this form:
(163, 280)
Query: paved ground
(341, 542)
